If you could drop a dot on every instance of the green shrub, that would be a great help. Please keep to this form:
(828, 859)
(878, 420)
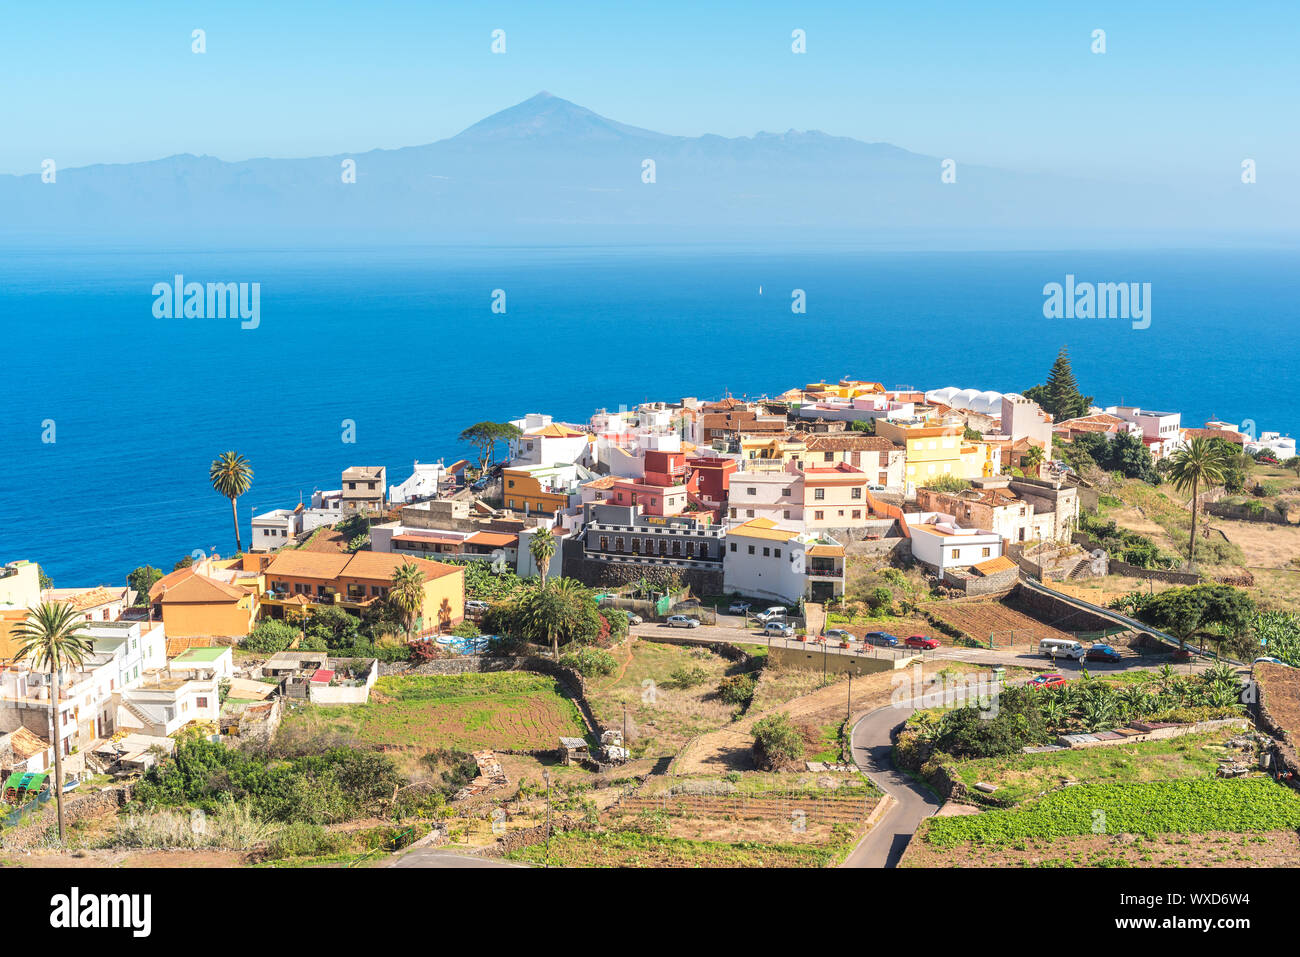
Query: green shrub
(590, 662)
(301, 839)
(687, 676)
(269, 636)
(777, 743)
(737, 690)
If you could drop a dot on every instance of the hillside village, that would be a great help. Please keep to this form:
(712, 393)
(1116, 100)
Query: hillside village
(675, 634)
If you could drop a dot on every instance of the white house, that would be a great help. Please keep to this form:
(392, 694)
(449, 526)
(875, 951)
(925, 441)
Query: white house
(544, 442)
(1282, 446)
(940, 543)
(273, 529)
(771, 563)
(424, 483)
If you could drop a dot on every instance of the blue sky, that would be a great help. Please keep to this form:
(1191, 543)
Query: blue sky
(1183, 89)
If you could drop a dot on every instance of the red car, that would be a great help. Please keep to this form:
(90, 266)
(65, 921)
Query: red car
(1047, 680)
(921, 641)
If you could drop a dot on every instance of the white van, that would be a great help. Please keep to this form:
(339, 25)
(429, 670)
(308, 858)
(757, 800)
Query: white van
(1061, 648)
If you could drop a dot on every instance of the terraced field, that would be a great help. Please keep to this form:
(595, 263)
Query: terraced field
(980, 619)
(509, 711)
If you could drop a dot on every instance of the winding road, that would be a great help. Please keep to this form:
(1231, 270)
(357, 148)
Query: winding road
(872, 740)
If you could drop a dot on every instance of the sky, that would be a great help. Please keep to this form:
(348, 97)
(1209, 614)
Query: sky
(1183, 89)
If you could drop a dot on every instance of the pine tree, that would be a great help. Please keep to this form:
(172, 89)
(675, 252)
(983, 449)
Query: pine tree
(1060, 396)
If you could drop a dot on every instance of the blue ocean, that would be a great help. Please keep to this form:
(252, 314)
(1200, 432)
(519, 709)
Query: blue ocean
(405, 344)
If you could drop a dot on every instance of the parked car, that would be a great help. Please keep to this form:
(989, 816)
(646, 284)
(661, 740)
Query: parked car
(1047, 681)
(634, 619)
(880, 638)
(1061, 648)
(778, 629)
(774, 613)
(876, 488)
(837, 634)
(1101, 653)
(738, 608)
(476, 606)
(921, 641)
(682, 621)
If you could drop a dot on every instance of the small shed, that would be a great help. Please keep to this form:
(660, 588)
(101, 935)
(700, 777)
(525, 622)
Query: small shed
(573, 749)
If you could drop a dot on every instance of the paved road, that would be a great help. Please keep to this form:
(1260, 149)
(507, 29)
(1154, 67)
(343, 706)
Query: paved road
(872, 744)
(433, 857)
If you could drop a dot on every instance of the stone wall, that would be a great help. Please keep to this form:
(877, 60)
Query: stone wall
(1244, 513)
(895, 549)
(92, 805)
(1056, 612)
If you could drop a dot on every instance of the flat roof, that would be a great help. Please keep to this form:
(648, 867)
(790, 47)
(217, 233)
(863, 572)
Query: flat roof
(200, 654)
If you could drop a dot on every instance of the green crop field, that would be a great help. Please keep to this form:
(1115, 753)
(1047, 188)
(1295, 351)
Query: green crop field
(1163, 807)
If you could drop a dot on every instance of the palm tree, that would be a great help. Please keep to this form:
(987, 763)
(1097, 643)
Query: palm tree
(1199, 462)
(231, 476)
(548, 610)
(407, 594)
(51, 638)
(542, 547)
(1032, 460)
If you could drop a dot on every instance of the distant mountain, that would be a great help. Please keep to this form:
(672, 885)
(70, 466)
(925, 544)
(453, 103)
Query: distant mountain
(548, 169)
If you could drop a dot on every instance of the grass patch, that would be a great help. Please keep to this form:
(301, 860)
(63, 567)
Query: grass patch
(632, 849)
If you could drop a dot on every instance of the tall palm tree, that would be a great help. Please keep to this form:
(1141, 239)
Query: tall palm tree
(231, 476)
(407, 594)
(1199, 462)
(51, 637)
(542, 547)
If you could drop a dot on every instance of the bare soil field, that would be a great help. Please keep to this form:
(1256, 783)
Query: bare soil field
(1009, 626)
(1210, 849)
(1281, 694)
(1265, 545)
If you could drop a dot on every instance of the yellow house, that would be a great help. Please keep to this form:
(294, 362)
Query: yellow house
(199, 606)
(531, 490)
(761, 453)
(933, 451)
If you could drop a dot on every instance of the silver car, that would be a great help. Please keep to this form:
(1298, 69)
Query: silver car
(681, 621)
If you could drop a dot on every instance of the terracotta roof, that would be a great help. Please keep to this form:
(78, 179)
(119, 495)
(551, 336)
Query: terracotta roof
(27, 744)
(93, 597)
(604, 482)
(431, 539)
(493, 539)
(993, 566)
(381, 565)
(200, 589)
(1234, 437)
(325, 566)
(846, 442)
(553, 431)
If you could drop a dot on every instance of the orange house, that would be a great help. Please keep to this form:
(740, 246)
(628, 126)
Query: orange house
(298, 582)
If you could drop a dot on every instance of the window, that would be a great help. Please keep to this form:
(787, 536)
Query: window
(840, 513)
(749, 513)
(857, 513)
(510, 483)
(985, 552)
(202, 702)
(733, 513)
(828, 456)
(819, 493)
(677, 548)
(767, 552)
(785, 493)
(787, 513)
(751, 549)
(690, 549)
(733, 546)
(817, 516)
(618, 544)
(956, 553)
(751, 491)
(857, 493)
(604, 543)
(704, 549)
(778, 552)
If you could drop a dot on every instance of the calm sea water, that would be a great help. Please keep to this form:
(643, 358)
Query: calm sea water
(404, 343)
